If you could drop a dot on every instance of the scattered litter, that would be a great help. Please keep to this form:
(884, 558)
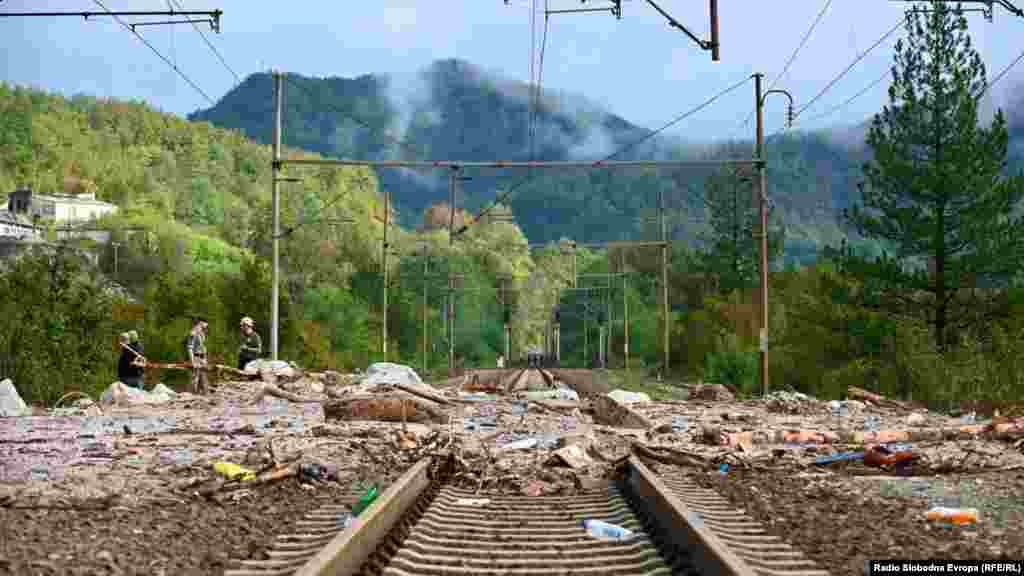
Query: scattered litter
(605, 531)
(364, 501)
(872, 423)
(556, 394)
(723, 468)
(915, 419)
(525, 444)
(317, 471)
(680, 424)
(233, 471)
(473, 501)
(841, 457)
(953, 515)
(880, 456)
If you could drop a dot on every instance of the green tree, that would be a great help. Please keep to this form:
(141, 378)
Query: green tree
(937, 191)
(58, 333)
(732, 249)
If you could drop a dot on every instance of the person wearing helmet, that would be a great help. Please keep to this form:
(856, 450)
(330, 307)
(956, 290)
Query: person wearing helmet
(252, 346)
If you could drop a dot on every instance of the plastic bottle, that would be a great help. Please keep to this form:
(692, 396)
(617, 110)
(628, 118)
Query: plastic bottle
(365, 501)
(953, 515)
(606, 531)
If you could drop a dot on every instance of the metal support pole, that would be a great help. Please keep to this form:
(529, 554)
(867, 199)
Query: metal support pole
(424, 311)
(276, 207)
(714, 31)
(384, 263)
(761, 185)
(451, 279)
(558, 343)
(625, 316)
(664, 278)
(115, 245)
(586, 343)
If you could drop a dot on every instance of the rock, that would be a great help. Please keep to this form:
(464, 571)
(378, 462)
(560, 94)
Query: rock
(390, 373)
(782, 402)
(627, 397)
(611, 413)
(272, 370)
(119, 394)
(915, 419)
(574, 455)
(11, 403)
(712, 392)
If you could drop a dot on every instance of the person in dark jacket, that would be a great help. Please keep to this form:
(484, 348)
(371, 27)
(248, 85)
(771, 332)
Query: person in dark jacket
(130, 366)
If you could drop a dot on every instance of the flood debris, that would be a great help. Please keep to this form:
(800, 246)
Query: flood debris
(11, 403)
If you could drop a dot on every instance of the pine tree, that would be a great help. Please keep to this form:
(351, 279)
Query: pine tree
(937, 196)
(732, 247)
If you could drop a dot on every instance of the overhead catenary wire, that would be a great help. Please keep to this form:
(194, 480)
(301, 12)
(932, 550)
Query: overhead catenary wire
(1000, 76)
(792, 57)
(849, 67)
(157, 52)
(850, 100)
(238, 79)
(506, 194)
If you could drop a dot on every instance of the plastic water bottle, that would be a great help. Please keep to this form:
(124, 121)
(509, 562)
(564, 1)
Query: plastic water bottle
(606, 531)
(365, 501)
(953, 515)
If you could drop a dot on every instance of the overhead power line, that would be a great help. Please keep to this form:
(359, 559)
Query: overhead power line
(506, 194)
(792, 58)
(849, 100)
(157, 52)
(1001, 75)
(213, 48)
(849, 67)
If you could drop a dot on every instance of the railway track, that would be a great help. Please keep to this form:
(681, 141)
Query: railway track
(423, 524)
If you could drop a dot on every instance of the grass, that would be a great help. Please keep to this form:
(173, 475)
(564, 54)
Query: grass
(636, 381)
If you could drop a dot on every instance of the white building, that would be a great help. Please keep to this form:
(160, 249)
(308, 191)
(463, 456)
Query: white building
(59, 208)
(11, 226)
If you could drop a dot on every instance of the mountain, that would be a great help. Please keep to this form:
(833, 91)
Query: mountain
(455, 110)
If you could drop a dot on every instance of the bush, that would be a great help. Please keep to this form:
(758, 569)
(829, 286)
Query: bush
(732, 365)
(59, 331)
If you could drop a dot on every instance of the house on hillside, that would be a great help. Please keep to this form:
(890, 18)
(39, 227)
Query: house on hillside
(59, 208)
(13, 227)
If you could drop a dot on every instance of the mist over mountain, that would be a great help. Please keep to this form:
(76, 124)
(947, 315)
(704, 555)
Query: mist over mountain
(455, 110)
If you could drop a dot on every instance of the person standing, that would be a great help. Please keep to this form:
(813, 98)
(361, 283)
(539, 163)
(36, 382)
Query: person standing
(252, 346)
(128, 370)
(139, 364)
(197, 356)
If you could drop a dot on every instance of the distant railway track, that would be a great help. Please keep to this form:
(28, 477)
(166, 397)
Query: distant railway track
(423, 524)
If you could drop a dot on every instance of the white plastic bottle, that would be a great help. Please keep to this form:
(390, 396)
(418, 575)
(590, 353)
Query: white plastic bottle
(606, 531)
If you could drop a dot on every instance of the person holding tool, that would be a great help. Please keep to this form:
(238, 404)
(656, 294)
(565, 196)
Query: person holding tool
(131, 365)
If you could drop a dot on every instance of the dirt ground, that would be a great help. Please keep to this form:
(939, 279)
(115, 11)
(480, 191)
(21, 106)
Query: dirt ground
(843, 521)
(121, 492)
(195, 537)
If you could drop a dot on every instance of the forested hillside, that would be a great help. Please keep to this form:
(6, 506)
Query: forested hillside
(462, 112)
(195, 238)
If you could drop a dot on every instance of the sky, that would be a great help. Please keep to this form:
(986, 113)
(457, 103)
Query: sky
(637, 67)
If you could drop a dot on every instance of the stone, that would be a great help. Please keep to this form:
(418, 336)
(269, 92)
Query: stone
(11, 403)
(627, 397)
(713, 392)
(390, 373)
